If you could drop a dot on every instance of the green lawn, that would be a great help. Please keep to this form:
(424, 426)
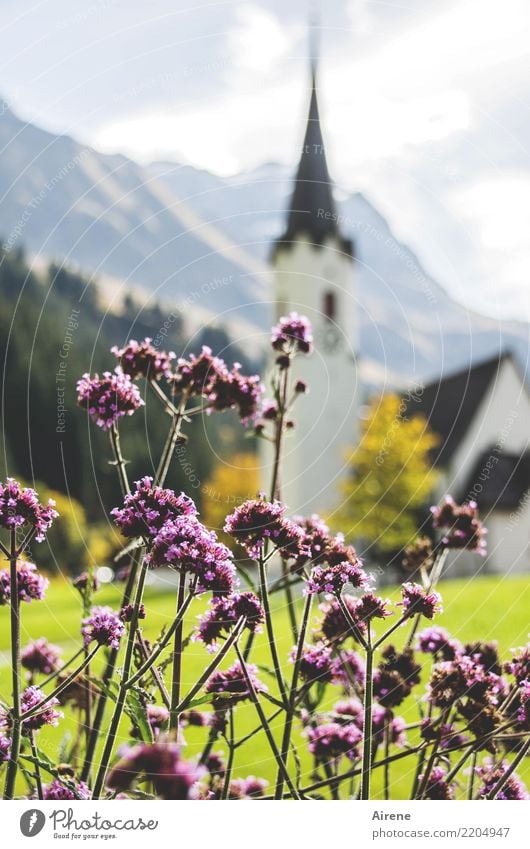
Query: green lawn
(487, 608)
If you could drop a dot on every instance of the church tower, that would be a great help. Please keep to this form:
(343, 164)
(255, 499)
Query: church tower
(314, 275)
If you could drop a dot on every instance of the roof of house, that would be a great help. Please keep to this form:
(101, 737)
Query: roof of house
(498, 480)
(450, 404)
(312, 211)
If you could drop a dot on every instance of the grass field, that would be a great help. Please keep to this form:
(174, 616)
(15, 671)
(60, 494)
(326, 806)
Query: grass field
(486, 608)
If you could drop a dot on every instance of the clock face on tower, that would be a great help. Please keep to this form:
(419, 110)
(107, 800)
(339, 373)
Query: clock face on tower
(329, 338)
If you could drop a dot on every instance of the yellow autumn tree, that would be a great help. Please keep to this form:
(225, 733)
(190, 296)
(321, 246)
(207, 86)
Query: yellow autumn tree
(232, 482)
(391, 476)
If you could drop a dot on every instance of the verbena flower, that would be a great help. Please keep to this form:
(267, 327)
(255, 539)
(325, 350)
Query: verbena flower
(384, 722)
(41, 656)
(254, 522)
(197, 376)
(431, 730)
(519, 665)
(148, 508)
(523, 713)
(103, 626)
(160, 764)
(292, 334)
(188, 547)
(225, 611)
(158, 718)
(418, 555)
(108, 398)
(247, 788)
(417, 601)
(83, 580)
(486, 654)
(30, 698)
(5, 748)
(438, 642)
(333, 579)
(319, 546)
(141, 359)
(449, 682)
(369, 607)
(437, 786)
(60, 791)
(461, 525)
(334, 627)
(402, 662)
(127, 612)
(315, 663)
(491, 773)
(31, 585)
(389, 687)
(331, 740)
(348, 669)
(20, 508)
(229, 687)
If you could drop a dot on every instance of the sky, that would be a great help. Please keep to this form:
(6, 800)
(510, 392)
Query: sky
(425, 106)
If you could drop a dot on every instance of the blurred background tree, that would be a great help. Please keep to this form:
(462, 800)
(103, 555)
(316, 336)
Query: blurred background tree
(391, 477)
(231, 483)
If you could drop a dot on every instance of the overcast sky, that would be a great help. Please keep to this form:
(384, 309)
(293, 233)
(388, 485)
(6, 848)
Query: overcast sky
(426, 106)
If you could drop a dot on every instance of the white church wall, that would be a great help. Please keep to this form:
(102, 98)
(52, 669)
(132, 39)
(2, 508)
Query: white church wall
(326, 418)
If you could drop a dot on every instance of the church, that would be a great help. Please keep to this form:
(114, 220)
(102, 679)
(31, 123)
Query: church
(481, 413)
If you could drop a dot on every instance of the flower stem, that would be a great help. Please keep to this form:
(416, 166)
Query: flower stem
(62, 686)
(119, 462)
(16, 731)
(509, 770)
(367, 722)
(231, 753)
(270, 630)
(38, 780)
(288, 727)
(177, 658)
(171, 442)
(434, 578)
(120, 701)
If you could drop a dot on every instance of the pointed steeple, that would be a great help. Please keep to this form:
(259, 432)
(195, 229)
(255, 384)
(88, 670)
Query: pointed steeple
(312, 211)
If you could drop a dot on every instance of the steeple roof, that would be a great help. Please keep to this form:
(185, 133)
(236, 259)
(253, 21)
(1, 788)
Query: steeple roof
(312, 211)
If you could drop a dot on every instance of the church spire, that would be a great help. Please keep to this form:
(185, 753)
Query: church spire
(312, 210)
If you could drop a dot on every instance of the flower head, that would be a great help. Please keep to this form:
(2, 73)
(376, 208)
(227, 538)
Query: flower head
(148, 508)
(348, 669)
(334, 626)
(315, 663)
(247, 788)
(31, 586)
(103, 626)
(255, 521)
(20, 508)
(108, 397)
(418, 555)
(331, 740)
(5, 749)
(523, 713)
(437, 786)
(417, 601)
(519, 665)
(333, 579)
(30, 698)
(461, 525)
(225, 611)
(438, 642)
(41, 656)
(141, 359)
(491, 773)
(62, 791)
(159, 763)
(292, 334)
(230, 686)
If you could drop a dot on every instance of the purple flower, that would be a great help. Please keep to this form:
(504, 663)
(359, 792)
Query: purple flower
(315, 663)
(437, 786)
(109, 397)
(333, 579)
(127, 612)
(461, 525)
(449, 682)
(418, 555)
(225, 612)
(255, 521)
(490, 774)
(230, 687)
(417, 601)
(60, 791)
(104, 627)
(331, 740)
(141, 359)
(523, 713)
(318, 546)
(5, 749)
(269, 410)
(20, 507)
(187, 546)
(370, 606)
(82, 581)
(149, 507)
(41, 656)
(438, 642)
(349, 710)
(390, 688)
(402, 662)
(348, 669)
(430, 731)
(198, 375)
(334, 626)
(31, 585)
(519, 665)
(31, 697)
(247, 788)
(159, 763)
(292, 334)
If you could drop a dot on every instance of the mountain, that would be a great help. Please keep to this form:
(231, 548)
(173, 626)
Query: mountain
(200, 243)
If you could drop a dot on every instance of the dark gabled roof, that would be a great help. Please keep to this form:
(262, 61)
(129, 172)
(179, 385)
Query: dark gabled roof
(312, 211)
(498, 480)
(450, 404)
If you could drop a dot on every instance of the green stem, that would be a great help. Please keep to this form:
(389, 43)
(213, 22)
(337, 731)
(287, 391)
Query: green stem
(270, 630)
(119, 462)
(16, 730)
(266, 727)
(38, 780)
(231, 753)
(367, 722)
(62, 686)
(510, 770)
(120, 701)
(288, 727)
(177, 658)
(171, 442)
